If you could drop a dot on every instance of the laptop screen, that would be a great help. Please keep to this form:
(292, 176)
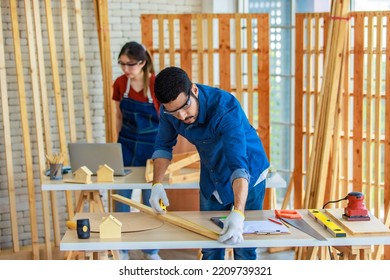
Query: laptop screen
(92, 155)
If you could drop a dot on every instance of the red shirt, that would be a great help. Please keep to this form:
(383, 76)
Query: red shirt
(119, 88)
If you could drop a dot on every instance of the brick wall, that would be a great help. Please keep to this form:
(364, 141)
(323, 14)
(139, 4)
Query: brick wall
(124, 17)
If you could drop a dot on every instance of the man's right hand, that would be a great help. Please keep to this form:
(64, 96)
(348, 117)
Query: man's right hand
(158, 193)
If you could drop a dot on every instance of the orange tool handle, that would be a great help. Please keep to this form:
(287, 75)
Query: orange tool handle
(289, 214)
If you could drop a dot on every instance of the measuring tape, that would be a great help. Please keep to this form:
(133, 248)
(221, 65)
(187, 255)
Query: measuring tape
(321, 218)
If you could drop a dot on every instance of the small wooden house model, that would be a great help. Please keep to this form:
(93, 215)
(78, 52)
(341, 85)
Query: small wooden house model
(105, 173)
(82, 175)
(110, 227)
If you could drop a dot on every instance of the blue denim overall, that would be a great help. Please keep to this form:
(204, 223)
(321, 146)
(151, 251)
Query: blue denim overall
(137, 136)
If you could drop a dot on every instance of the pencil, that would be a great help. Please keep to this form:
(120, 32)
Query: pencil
(275, 221)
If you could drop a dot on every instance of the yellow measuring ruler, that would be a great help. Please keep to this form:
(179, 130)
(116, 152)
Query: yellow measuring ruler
(321, 218)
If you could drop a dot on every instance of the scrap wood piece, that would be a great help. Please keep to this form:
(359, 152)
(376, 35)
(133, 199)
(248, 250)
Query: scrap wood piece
(188, 160)
(188, 177)
(194, 156)
(356, 228)
(170, 218)
(178, 162)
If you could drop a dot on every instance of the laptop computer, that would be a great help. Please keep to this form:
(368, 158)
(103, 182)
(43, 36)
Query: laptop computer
(92, 155)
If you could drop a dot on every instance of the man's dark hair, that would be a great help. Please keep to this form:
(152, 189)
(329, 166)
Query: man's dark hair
(170, 82)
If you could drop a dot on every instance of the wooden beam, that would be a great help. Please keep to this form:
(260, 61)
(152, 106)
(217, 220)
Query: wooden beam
(224, 52)
(298, 117)
(26, 131)
(83, 72)
(8, 143)
(38, 121)
(170, 218)
(386, 168)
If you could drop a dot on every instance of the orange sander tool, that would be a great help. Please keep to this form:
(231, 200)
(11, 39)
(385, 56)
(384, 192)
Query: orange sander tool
(356, 210)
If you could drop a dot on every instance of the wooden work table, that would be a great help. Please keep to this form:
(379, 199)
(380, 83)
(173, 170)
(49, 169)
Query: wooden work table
(134, 180)
(169, 236)
(90, 193)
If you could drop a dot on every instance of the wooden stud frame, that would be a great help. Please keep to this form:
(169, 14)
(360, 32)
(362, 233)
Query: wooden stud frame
(206, 45)
(361, 156)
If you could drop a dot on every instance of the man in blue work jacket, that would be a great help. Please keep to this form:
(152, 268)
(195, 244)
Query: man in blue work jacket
(234, 164)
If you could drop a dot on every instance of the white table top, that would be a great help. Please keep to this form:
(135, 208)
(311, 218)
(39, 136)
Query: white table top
(172, 237)
(134, 180)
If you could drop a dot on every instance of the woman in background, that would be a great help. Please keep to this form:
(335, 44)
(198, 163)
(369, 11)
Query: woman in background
(137, 117)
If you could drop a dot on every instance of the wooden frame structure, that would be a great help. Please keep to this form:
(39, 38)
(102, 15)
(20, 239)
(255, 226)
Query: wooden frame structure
(360, 151)
(229, 51)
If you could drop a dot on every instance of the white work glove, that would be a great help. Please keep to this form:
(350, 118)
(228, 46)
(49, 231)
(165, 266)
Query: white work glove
(158, 193)
(233, 228)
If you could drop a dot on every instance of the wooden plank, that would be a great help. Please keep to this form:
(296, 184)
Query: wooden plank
(83, 72)
(178, 162)
(45, 116)
(210, 50)
(321, 102)
(334, 172)
(42, 78)
(200, 49)
(378, 111)
(336, 88)
(224, 52)
(171, 34)
(161, 47)
(185, 44)
(55, 75)
(183, 178)
(9, 164)
(249, 53)
(68, 70)
(317, 57)
(358, 81)
(101, 14)
(149, 170)
(298, 117)
(318, 167)
(373, 226)
(287, 196)
(177, 165)
(264, 125)
(308, 86)
(238, 54)
(56, 84)
(147, 31)
(386, 188)
(170, 218)
(370, 29)
(38, 121)
(25, 131)
(343, 190)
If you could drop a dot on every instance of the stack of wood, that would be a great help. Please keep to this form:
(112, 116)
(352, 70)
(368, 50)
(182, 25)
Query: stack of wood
(326, 123)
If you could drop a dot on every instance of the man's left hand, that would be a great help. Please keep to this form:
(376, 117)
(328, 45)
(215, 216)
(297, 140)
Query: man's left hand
(233, 228)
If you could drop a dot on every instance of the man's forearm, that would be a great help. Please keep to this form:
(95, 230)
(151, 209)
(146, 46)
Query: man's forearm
(240, 189)
(160, 166)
